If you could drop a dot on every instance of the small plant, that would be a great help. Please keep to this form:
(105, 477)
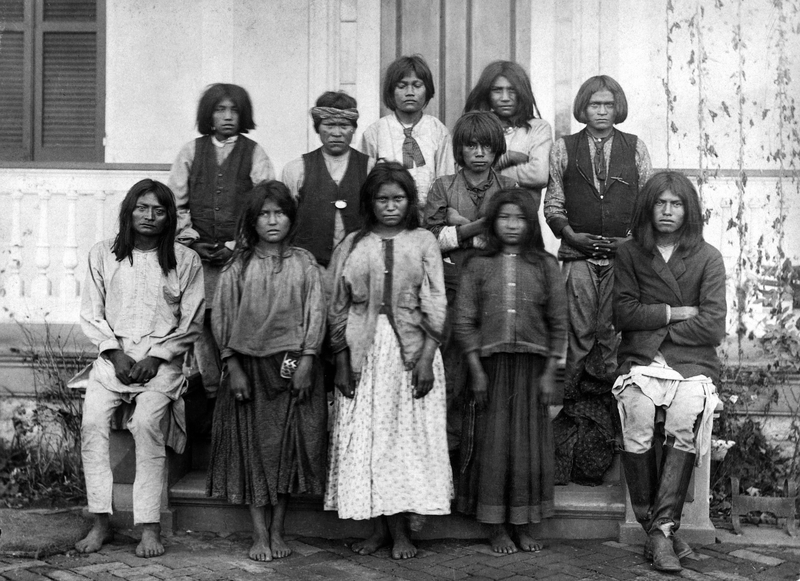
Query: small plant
(43, 461)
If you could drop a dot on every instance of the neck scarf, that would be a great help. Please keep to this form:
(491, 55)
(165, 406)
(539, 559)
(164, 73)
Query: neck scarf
(599, 156)
(412, 154)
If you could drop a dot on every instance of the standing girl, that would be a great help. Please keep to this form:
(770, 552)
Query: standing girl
(417, 140)
(511, 320)
(388, 454)
(505, 89)
(268, 438)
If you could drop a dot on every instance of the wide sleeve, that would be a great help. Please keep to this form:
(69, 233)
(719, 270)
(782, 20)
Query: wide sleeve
(466, 323)
(555, 208)
(708, 326)
(369, 141)
(178, 182)
(536, 145)
(432, 297)
(192, 310)
(225, 307)
(557, 320)
(293, 176)
(93, 304)
(644, 167)
(445, 163)
(261, 169)
(630, 314)
(436, 216)
(341, 298)
(313, 310)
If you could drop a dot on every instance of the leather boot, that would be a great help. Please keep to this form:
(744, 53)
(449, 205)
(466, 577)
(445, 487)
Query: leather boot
(641, 476)
(668, 506)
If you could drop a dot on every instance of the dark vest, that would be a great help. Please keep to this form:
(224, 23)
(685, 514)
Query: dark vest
(316, 214)
(589, 211)
(217, 193)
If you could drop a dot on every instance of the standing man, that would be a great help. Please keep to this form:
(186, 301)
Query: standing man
(669, 304)
(326, 182)
(595, 176)
(142, 307)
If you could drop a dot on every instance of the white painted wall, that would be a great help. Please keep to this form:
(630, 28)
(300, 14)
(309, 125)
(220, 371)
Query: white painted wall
(161, 56)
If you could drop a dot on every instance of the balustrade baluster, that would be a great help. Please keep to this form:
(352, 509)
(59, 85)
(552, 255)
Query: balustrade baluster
(69, 285)
(14, 286)
(41, 287)
(100, 216)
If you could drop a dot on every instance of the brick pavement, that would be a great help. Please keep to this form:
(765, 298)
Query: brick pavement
(208, 557)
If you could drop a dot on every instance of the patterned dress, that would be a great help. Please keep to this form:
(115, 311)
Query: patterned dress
(388, 451)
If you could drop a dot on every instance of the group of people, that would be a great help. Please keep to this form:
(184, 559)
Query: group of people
(409, 278)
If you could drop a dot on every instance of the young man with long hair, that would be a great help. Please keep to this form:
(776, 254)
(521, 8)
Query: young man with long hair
(142, 307)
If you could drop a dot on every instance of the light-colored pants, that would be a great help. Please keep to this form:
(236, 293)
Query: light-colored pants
(589, 306)
(145, 426)
(638, 417)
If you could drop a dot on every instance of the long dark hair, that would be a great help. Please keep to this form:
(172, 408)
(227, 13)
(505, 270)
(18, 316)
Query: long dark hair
(478, 99)
(216, 93)
(389, 172)
(591, 86)
(398, 70)
(691, 231)
(479, 127)
(125, 241)
(531, 245)
(246, 235)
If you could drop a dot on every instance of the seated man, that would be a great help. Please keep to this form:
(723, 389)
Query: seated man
(142, 306)
(669, 304)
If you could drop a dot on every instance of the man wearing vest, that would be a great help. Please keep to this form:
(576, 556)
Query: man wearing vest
(595, 176)
(327, 180)
(210, 179)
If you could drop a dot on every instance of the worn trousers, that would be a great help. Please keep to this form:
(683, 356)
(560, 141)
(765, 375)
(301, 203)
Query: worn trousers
(638, 415)
(590, 290)
(146, 427)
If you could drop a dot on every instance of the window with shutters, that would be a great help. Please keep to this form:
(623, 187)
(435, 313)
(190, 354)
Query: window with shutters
(52, 85)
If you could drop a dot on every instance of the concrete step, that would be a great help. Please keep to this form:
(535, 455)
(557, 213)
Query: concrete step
(581, 512)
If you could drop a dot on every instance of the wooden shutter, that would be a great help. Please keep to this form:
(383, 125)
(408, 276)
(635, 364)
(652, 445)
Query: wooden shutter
(69, 97)
(15, 81)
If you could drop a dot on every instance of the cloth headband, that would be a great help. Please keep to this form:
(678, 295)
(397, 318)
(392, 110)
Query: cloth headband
(322, 113)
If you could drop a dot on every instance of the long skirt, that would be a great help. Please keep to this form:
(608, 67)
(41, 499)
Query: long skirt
(388, 451)
(507, 449)
(270, 444)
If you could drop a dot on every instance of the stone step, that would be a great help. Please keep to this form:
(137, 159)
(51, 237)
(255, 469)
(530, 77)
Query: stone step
(581, 512)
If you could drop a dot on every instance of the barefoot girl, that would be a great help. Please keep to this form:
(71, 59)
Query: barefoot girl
(505, 89)
(454, 214)
(511, 320)
(388, 453)
(268, 439)
(409, 136)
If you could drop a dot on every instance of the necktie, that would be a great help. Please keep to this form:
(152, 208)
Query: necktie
(412, 154)
(600, 157)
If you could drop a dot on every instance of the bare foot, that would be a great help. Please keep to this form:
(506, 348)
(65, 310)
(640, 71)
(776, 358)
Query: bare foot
(150, 545)
(527, 542)
(278, 545)
(500, 541)
(260, 551)
(100, 534)
(371, 544)
(403, 548)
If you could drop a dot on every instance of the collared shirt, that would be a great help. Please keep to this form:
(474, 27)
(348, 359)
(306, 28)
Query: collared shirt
(178, 181)
(383, 141)
(135, 307)
(554, 201)
(275, 305)
(401, 277)
(505, 304)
